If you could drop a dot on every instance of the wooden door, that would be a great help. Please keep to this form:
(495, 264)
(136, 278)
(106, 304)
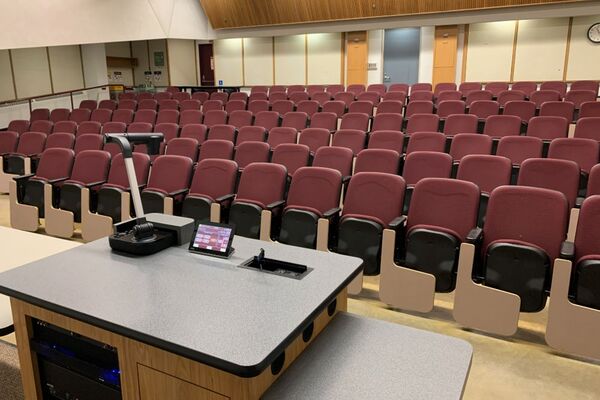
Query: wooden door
(207, 69)
(356, 50)
(444, 54)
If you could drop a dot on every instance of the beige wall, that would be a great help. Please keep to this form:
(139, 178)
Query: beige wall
(584, 56)
(65, 65)
(7, 90)
(258, 61)
(228, 62)
(31, 72)
(290, 62)
(489, 54)
(182, 62)
(324, 49)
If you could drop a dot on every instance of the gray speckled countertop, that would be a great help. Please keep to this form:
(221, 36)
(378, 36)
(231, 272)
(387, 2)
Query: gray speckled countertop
(360, 358)
(200, 307)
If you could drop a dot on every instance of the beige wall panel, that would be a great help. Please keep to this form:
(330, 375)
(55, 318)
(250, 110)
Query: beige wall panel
(324, 58)
(32, 73)
(7, 90)
(489, 51)
(290, 64)
(258, 61)
(65, 65)
(119, 49)
(228, 61)
(157, 46)
(541, 45)
(182, 62)
(139, 51)
(584, 56)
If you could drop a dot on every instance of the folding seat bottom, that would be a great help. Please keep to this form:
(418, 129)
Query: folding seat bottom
(435, 253)
(153, 201)
(299, 228)
(70, 200)
(361, 238)
(14, 165)
(197, 207)
(109, 203)
(33, 195)
(246, 217)
(587, 287)
(519, 269)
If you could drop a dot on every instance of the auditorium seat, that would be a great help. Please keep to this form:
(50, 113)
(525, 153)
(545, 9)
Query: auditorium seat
(101, 115)
(31, 144)
(578, 97)
(563, 109)
(210, 105)
(39, 114)
(216, 148)
(390, 106)
(385, 139)
(220, 96)
(499, 126)
(321, 97)
(464, 144)
(357, 121)
(297, 97)
(240, 118)
(519, 148)
(526, 87)
(346, 97)
(335, 106)
(314, 194)
(61, 140)
(338, 158)
(420, 87)
(292, 156)
(314, 138)
(127, 105)
(114, 127)
(256, 106)
(588, 127)
(421, 96)
(496, 87)
(280, 135)
(593, 186)
(107, 105)
(324, 120)
(399, 87)
(296, 89)
(585, 85)
(282, 107)
(60, 114)
(393, 96)
(557, 86)
(554, 174)
(476, 95)
(65, 127)
(548, 127)
(127, 96)
(213, 184)
(354, 139)
(249, 152)
(167, 116)
(424, 164)
(187, 147)
(181, 96)
(162, 96)
(542, 96)
(89, 127)
(444, 86)
(251, 134)
(80, 115)
(335, 89)
(89, 104)
(214, 117)
(418, 122)
(222, 132)
(378, 88)
(277, 96)
(261, 188)
(521, 108)
(259, 89)
(148, 116)
(194, 131)
(8, 142)
(55, 167)
(43, 126)
(18, 125)
(363, 221)
(484, 108)
(446, 95)
(510, 95)
(448, 107)
(356, 89)
(466, 88)
(277, 89)
(238, 96)
(168, 129)
(426, 141)
(235, 105)
(140, 127)
(168, 183)
(310, 107)
(267, 119)
(202, 97)
(295, 119)
(371, 97)
(589, 109)
(88, 142)
(460, 123)
(585, 152)
(166, 105)
(377, 160)
(147, 104)
(190, 117)
(385, 121)
(189, 105)
(124, 116)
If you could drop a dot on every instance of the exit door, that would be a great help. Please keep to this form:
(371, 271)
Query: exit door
(401, 55)
(207, 64)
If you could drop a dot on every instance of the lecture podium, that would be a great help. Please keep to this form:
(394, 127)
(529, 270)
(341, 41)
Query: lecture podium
(189, 326)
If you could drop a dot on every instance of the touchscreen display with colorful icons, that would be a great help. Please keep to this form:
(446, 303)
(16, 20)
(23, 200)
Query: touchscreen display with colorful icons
(212, 238)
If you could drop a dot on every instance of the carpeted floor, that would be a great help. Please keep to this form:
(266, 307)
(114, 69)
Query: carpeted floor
(10, 378)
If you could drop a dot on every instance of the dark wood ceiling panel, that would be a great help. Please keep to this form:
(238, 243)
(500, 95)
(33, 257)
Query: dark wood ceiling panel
(224, 14)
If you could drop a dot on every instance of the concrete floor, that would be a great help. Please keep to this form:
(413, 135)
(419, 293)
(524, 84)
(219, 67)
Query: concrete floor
(520, 367)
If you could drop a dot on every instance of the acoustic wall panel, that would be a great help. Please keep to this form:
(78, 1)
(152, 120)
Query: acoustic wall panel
(324, 52)
(584, 56)
(65, 65)
(258, 61)
(489, 51)
(290, 62)
(7, 90)
(32, 72)
(228, 61)
(182, 62)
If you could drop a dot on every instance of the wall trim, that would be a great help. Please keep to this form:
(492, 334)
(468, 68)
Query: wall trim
(12, 73)
(567, 49)
(168, 60)
(343, 59)
(196, 64)
(243, 64)
(514, 52)
(305, 59)
(463, 75)
(82, 69)
(50, 70)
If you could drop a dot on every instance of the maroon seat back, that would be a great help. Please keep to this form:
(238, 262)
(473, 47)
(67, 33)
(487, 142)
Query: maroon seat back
(240, 118)
(426, 164)
(369, 97)
(584, 152)
(387, 122)
(277, 96)
(460, 123)
(321, 97)
(114, 127)
(18, 125)
(496, 87)
(448, 95)
(124, 116)
(181, 96)
(237, 96)
(190, 117)
(262, 183)
(498, 126)
(31, 143)
(354, 139)
(377, 160)
(280, 135)
(295, 88)
(235, 105)
(214, 178)
(390, 106)
(521, 108)
(510, 95)
(587, 236)
(89, 127)
(448, 107)
(168, 129)
(356, 89)
(585, 85)
(282, 107)
(127, 105)
(548, 128)
(578, 97)
(221, 96)
(557, 86)
(215, 117)
(295, 119)
(170, 116)
(55, 164)
(388, 189)
(80, 115)
(187, 147)
(88, 141)
(194, 131)
(107, 105)
(519, 148)
(588, 128)
(466, 88)
(563, 109)
(421, 96)
(593, 186)
(61, 140)
(250, 152)
(310, 107)
(60, 114)
(314, 138)
(559, 175)
(163, 96)
(316, 189)
(216, 149)
(202, 97)
(90, 166)
(325, 120)
(449, 204)
(398, 96)
(426, 141)
(478, 95)
(127, 96)
(399, 87)
(8, 142)
(384, 139)
(148, 116)
(144, 96)
(312, 89)
(542, 96)
(345, 97)
(292, 156)
(212, 105)
(169, 104)
(378, 88)
(338, 158)
(256, 106)
(526, 87)
(251, 134)
(222, 132)
(422, 123)
(297, 97)
(65, 127)
(420, 87)
(42, 126)
(170, 174)
(444, 86)
(190, 105)
(39, 114)
(465, 144)
(419, 107)
(357, 121)
(277, 89)
(334, 106)
(526, 215)
(484, 108)
(101, 115)
(140, 127)
(486, 171)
